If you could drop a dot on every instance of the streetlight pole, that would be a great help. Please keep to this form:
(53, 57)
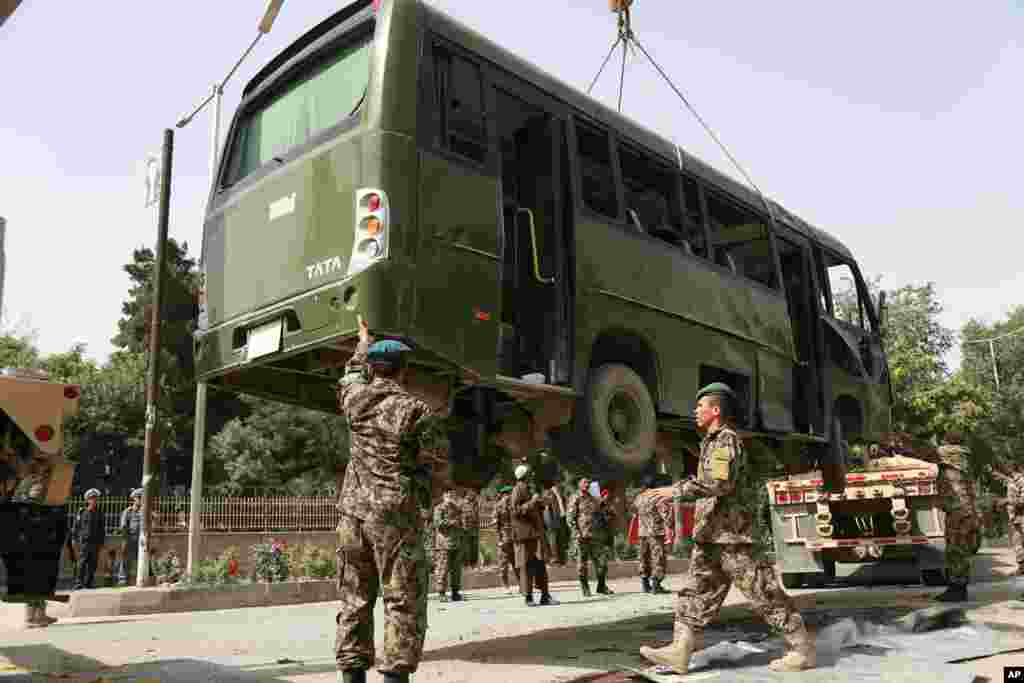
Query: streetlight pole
(199, 433)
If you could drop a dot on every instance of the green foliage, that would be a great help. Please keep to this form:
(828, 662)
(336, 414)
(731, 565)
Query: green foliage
(270, 561)
(287, 449)
(312, 562)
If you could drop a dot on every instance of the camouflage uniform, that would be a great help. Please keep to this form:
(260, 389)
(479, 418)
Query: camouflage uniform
(394, 440)
(723, 550)
(962, 521)
(585, 517)
(470, 529)
(448, 545)
(33, 478)
(427, 520)
(503, 531)
(653, 516)
(1015, 513)
(558, 529)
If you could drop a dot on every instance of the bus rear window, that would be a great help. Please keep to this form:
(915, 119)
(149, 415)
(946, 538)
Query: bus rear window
(332, 93)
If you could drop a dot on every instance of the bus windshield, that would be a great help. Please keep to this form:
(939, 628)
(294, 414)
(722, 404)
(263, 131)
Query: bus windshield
(328, 96)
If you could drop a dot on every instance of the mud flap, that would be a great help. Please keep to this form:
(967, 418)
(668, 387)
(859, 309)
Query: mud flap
(833, 460)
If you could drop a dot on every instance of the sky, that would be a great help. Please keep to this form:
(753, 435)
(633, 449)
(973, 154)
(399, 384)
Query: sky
(894, 126)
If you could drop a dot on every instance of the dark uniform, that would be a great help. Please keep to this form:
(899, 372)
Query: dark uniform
(653, 515)
(394, 440)
(590, 524)
(89, 534)
(723, 552)
(131, 527)
(448, 546)
(558, 528)
(503, 532)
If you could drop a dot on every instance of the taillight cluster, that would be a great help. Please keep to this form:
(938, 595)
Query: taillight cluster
(782, 497)
(371, 229)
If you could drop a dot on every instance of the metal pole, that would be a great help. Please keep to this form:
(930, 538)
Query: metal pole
(199, 435)
(995, 368)
(153, 379)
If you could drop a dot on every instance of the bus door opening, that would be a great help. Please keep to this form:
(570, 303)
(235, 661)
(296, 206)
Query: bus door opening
(531, 316)
(807, 414)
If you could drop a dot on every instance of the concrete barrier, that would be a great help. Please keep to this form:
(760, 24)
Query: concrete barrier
(101, 602)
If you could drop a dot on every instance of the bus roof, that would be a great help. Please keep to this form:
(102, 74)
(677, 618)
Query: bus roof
(486, 48)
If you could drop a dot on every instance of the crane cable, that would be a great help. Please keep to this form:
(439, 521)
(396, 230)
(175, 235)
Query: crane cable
(627, 37)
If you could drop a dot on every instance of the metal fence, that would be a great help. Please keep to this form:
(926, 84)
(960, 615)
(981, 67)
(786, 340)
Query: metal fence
(263, 514)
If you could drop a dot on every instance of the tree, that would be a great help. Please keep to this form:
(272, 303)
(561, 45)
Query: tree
(278, 448)
(18, 352)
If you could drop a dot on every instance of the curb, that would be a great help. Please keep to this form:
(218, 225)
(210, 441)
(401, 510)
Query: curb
(105, 602)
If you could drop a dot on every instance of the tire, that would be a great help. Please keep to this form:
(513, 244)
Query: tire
(792, 580)
(934, 577)
(618, 419)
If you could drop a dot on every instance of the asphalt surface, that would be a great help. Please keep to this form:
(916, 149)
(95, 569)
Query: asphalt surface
(494, 637)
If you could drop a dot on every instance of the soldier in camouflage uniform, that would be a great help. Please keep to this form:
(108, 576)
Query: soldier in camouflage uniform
(395, 440)
(963, 524)
(557, 529)
(503, 532)
(1015, 513)
(130, 527)
(449, 542)
(427, 520)
(653, 513)
(588, 517)
(723, 550)
(470, 527)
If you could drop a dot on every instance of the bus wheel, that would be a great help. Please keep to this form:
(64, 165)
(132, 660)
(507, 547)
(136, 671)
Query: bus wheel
(933, 577)
(792, 580)
(619, 418)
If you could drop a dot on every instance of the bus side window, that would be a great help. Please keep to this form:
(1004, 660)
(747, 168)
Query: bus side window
(597, 180)
(650, 191)
(740, 241)
(460, 99)
(846, 300)
(693, 223)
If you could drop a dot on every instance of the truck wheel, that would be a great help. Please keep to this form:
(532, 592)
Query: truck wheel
(934, 577)
(792, 580)
(618, 418)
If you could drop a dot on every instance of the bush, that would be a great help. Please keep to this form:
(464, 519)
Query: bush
(270, 561)
(312, 562)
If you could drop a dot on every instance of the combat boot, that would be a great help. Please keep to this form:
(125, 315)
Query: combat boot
(443, 596)
(801, 654)
(677, 655)
(602, 587)
(529, 599)
(352, 676)
(457, 596)
(657, 588)
(957, 592)
(585, 587)
(546, 599)
(645, 583)
(392, 677)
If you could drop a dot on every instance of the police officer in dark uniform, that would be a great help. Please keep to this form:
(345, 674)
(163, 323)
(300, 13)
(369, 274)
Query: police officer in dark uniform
(90, 534)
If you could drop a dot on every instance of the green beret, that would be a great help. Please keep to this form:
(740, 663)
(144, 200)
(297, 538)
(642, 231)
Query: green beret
(716, 389)
(504, 489)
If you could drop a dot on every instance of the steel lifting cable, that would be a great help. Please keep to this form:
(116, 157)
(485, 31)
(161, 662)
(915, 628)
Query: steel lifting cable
(626, 36)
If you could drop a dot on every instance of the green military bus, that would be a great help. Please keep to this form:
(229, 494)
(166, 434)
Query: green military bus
(567, 278)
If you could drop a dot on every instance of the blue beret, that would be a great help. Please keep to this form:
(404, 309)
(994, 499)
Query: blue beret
(386, 348)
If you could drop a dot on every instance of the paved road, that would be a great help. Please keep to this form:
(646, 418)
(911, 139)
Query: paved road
(491, 637)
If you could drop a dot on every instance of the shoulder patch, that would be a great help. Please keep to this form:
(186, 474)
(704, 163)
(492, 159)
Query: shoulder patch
(721, 459)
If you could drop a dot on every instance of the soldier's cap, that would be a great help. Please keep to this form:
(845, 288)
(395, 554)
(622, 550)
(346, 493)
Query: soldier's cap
(521, 471)
(386, 350)
(136, 493)
(93, 493)
(717, 389)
